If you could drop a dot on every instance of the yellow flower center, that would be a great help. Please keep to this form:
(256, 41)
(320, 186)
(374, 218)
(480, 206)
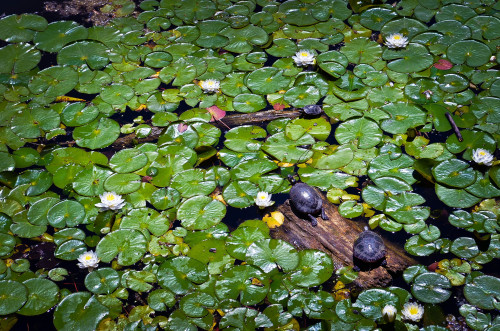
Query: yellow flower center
(414, 310)
(482, 153)
(110, 197)
(304, 54)
(397, 37)
(88, 257)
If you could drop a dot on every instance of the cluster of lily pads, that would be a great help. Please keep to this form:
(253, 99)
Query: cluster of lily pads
(141, 222)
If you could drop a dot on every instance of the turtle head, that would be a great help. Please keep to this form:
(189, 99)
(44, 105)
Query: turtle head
(292, 179)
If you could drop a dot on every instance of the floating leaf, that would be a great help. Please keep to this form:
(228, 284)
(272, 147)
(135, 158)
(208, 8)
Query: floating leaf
(483, 292)
(122, 183)
(414, 58)
(455, 173)
(127, 245)
(97, 134)
(66, 213)
(180, 274)
(17, 58)
(128, 160)
(362, 50)
(458, 198)
(363, 132)
(314, 268)
(43, 294)
(84, 52)
(201, 212)
(267, 80)
(21, 28)
(471, 52)
(90, 312)
(244, 282)
(58, 34)
(14, 295)
(249, 103)
(403, 117)
(431, 287)
(272, 255)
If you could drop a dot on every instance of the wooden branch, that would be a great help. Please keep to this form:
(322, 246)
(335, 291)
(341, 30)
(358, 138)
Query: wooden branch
(229, 121)
(336, 237)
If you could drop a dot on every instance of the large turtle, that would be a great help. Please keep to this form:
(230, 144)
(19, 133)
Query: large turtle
(306, 201)
(369, 248)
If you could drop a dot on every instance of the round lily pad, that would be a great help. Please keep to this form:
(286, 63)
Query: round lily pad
(471, 52)
(181, 273)
(413, 58)
(17, 58)
(80, 310)
(70, 250)
(267, 80)
(128, 160)
(458, 198)
(90, 182)
(201, 212)
(66, 213)
(14, 296)
(362, 50)
(244, 282)
(58, 34)
(39, 181)
(249, 103)
(122, 183)
(455, 173)
(303, 95)
(402, 117)
(43, 294)
(97, 134)
(92, 53)
(272, 255)
(314, 268)
(126, 244)
(7, 243)
(375, 18)
(288, 150)
(102, 281)
(196, 304)
(21, 28)
(483, 292)
(165, 198)
(430, 287)
(78, 113)
(464, 247)
(364, 132)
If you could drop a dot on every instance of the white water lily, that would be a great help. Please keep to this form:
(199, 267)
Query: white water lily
(412, 311)
(210, 85)
(263, 200)
(482, 156)
(389, 313)
(110, 200)
(396, 40)
(88, 260)
(304, 57)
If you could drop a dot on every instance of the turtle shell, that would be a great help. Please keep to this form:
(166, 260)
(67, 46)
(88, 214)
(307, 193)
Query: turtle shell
(305, 199)
(313, 110)
(369, 247)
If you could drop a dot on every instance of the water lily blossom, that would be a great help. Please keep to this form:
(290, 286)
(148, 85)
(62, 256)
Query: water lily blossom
(412, 311)
(210, 85)
(88, 260)
(389, 313)
(304, 57)
(110, 200)
(396, 40)
(263, 200)
(482, 156)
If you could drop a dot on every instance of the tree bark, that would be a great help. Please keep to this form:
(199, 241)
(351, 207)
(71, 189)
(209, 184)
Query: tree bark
(336, 237)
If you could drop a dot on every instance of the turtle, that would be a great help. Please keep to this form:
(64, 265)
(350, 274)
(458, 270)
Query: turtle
(306, 201)
(312, 110)
(369, 248)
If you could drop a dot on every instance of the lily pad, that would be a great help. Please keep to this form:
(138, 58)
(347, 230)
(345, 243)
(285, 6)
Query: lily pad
(249, 103)
(314, 268)
(97, 134)
(363, 132)
(126, 244)
(286, 150)
(362, 50)
(92, 53)
(128, 160)
(66, 213)
(414, 58)
(483, 292)
(43, 294)
(431, 287)
(267, 80)
(21, 28)
(90, 312)
(471, 52)
(122, 183)
(181, 273)
(403, 116)
(17, 58)
(201, 212)
(244, 282)
(57, 34)
(272, 255)
(458, 198)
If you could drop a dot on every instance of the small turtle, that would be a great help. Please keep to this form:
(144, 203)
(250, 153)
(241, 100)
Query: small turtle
(369, 248)
(312, 110)
(306, 201)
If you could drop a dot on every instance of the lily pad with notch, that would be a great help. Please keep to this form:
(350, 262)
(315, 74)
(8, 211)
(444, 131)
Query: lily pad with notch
(97, 134)
(181, 274)
(200, 212)
(243, 282)
(127, 245)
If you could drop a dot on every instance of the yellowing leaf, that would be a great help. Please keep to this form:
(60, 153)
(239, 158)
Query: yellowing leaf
(274, 220)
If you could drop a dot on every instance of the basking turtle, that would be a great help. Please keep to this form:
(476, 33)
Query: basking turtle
(312, 110)
(306, 201)
(369, 248)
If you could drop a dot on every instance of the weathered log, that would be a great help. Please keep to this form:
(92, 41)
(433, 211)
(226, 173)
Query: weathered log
(336, 237)
(228, 122)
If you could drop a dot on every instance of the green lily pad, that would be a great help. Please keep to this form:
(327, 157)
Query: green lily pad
(403, 116)
(386, 166)
(351, 209)
(483, 292)
(452, 31)
(244, 282)
(209, 34)
(160, 299)
(282, 47)
(181, 273)
(249, 103)
(39, 181)
(472, 139)
(117, 94)
(17, 58)
(102, 281)
(201, 212)
(90, 182)
(430, 287)
(213, 253)
(194, 10)
(407, 26)
(464, 248)
(455, 173)
(196, 304)
(53, 82)
(297, 13)
(126, 244)
(122, 183)
(192, 182)
(78, 114)
(165, 198)
(301, 96)
(340, 157)
(375, 18)
(21, 28)
(471, 52)
(14, 296)
(97, 134)
(314, 268)
(413, 58)
(31, 123)
(58, 34)
(243, 39)
(243, 138)
(92, 53)
(68, 234)
(43, 294)
(363, 132)
(404, 208)
(458, 198)
(272, 255)
(483, 187)
(237, 244)
(419, 247)
(70, 250)
(146, 218)
(286, 150)
(362, 50)
(7, 243)
(267, 80)
(79, 310)
(128, 160)
(66, 213)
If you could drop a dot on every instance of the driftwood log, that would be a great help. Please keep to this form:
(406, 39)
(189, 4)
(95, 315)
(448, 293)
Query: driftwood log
(336, 237)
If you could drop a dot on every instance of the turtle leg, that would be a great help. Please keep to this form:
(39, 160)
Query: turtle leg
(323, 214)
(313, 219)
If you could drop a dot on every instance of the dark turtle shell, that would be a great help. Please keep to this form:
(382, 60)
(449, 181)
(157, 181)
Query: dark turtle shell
(313, 110)
(305, 199)
(369, 247)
